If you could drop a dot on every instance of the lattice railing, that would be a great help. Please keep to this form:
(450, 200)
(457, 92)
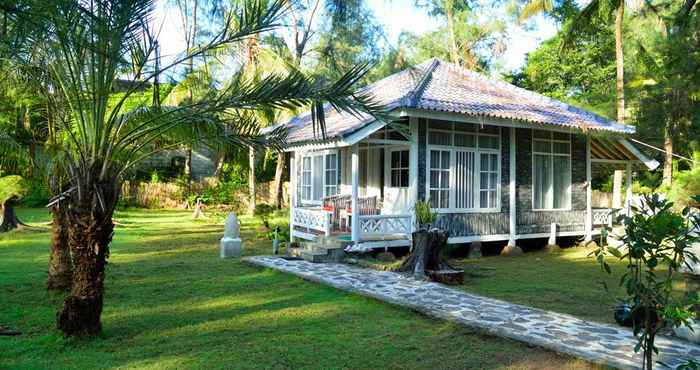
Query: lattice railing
(312, 219)
(603, 216)
(385, 224)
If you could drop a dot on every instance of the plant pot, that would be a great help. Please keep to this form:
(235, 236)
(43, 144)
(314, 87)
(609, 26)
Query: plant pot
(685, 332)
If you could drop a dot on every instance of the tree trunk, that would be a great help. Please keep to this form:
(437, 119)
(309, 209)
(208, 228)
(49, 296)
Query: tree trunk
(668, 161)
(426, 258)
(251, 180)
(9, 219)
(449, 13)
(60, 265)
(619, 63)
(279, 174)
(90, 232)
(188, 168)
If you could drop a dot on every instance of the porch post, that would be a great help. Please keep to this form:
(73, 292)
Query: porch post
(413, 167)
(292, 192)
(628, 189)
(511, 190)
(355, 174)
(589, 192)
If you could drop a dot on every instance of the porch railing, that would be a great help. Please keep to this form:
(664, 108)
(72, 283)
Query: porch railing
(312, 220)
(604, 216)
(385, 224)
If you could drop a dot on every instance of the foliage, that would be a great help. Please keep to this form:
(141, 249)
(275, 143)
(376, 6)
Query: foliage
(657, 244)
(583, 76)
(12, 187)
(424, 214)
(686, 184)
(264, 211)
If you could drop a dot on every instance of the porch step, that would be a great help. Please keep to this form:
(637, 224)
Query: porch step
(324, 250)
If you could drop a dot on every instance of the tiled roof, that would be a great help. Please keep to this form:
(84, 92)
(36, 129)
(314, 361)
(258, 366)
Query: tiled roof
(435, 85)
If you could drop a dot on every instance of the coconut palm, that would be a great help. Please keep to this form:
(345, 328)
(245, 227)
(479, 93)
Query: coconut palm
(88, 45)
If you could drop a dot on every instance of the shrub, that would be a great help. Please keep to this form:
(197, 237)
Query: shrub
(424, 214)
(685, 185)
(264, 211)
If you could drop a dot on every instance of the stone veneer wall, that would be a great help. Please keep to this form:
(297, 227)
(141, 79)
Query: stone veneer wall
(529, 221)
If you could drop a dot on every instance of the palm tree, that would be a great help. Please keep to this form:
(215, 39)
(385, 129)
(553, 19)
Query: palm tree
(88, 45)
(603, 9)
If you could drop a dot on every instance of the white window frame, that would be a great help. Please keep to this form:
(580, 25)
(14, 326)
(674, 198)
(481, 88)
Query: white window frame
(552, 140)
(400, 168)
(318, 172)
(477, 150)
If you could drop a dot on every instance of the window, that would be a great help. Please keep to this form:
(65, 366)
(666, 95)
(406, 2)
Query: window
(439, 178)
(464, 166)
(399, 169)
(319, 176)
(551, 170)
(331, 187)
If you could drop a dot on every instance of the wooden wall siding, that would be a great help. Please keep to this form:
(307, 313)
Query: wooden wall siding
(530, 222)
(469, 224)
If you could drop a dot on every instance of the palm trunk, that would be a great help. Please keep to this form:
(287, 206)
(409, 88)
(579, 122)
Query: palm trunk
(188, 169)
(9, 219)
(251, 181)
(619, 63)
(60, 265)
(668, 148)
(279, 172)
(90, 232)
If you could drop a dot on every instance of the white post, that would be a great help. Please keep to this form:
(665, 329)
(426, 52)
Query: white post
(355, 174)
(511, 191)
(552, 234)
(617, 189)
(589, 192)
(292, 192)
(628, 190)
(413, 168)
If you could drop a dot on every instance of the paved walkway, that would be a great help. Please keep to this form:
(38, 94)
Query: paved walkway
(600, 343)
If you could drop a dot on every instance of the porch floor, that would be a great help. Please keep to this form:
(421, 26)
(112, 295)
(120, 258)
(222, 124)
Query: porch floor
(600, 343)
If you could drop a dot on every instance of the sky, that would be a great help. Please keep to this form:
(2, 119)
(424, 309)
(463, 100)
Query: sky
(395, 16)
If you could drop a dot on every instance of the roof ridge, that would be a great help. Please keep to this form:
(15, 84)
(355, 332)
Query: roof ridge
(534, 94)
(421, 84)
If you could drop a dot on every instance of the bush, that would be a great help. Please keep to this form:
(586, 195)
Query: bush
(12, 187)
(38, 194)
(264, 211)
(686, 184)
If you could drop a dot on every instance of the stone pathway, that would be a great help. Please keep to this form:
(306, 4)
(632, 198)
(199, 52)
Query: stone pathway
(600, 343)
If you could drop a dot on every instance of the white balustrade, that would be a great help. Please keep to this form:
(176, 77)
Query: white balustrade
(603, 216)
(385, 224)
(312, 219)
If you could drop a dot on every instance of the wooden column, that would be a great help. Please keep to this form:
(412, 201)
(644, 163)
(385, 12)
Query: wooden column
(413, 167)
(355, 176)
(292, 192)
(512, 221)
(628, 189)
(589, 192)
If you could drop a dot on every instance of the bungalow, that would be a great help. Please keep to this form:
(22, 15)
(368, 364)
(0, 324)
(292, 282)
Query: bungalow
(496, 162)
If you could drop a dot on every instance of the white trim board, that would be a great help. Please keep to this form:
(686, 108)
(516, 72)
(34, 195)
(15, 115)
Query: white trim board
(504, 237)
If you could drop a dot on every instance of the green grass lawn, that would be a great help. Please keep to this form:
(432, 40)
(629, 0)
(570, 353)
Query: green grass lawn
(172, 303)
(568, 282)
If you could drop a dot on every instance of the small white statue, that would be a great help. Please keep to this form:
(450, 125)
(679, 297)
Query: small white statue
(231, 242)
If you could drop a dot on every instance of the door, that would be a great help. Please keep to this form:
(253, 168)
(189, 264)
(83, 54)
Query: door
(396, 181)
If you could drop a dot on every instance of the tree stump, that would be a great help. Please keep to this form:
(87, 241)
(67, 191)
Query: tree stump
(9, 220)
(426, 259)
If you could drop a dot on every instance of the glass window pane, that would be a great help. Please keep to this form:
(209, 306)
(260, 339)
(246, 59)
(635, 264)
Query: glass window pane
(434, 159)
(494, 162)
(395, 159)
(562, 148)
(484, 183)
(404, 158)
(465, 127)
(488, 142)
(492, 199)
(542, 146)
(542, 182)
(489, 129)
(439, 138)
(404, 178)
(562, 182)
(541, 134)
(484, 199)
(444, 199)
(484, 162)
(434, 199)
(445, 179)
(561, 136)
(434, 179)
(465, 140)
(440, 125)
(445, 161)
(493, 180)
(331, 161)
